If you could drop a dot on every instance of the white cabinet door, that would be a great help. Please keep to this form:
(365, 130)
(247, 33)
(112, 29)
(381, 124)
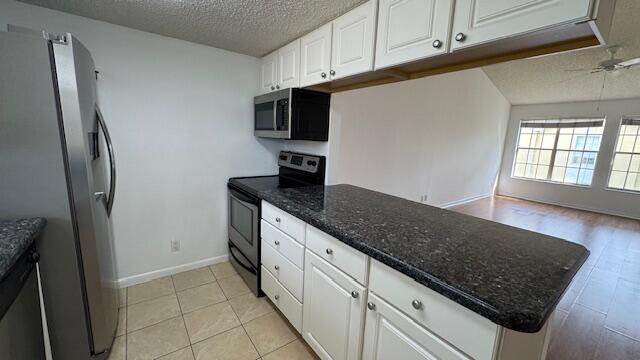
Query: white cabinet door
(480, 21)
(389, 334)
(333, 311)
(412, 29)
(315, 56)
(289, 65)
(268, 73)
(353, 41)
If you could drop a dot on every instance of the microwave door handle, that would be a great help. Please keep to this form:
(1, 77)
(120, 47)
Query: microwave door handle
(275, 115)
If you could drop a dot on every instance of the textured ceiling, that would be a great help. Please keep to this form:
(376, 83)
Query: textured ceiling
(252, 27)
(544, 79)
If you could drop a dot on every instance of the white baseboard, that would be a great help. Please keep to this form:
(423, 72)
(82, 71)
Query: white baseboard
(463, 201)
(151, 275)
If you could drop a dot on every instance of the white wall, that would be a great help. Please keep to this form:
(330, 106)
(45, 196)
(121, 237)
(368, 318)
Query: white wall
(181, 119)
(439, 136)
(596, 197)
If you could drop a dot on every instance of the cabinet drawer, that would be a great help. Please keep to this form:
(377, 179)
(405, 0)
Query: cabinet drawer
(289, 275)
(283, 243)
(282, 299)
(339, 254)
(463, 328)
(289, 224)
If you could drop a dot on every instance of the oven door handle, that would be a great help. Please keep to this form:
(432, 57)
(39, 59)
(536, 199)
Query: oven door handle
(248, 268)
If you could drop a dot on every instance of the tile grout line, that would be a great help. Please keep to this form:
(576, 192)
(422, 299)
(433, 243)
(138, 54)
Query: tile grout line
(184, 322)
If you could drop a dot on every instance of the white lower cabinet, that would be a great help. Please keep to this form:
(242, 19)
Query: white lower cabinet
(389, 334)
(333, 312)
(282, 298)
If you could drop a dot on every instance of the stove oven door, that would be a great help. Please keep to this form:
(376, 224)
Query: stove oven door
(244, 219)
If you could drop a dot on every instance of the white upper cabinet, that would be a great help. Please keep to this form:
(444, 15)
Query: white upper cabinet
(281, 68)
(333, 311)
(315, 58)
(412, 29)
(269, 73)
(289, 65)
(479, 21)
(353, 41)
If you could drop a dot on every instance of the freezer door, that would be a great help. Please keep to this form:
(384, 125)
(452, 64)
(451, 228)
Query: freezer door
(75, 72)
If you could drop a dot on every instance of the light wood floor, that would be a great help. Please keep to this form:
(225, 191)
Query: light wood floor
(599, 315)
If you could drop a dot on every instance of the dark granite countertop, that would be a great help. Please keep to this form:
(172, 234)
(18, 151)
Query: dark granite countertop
(15, 238)
(511, 276)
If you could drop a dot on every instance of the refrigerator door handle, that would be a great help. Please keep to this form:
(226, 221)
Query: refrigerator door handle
(112, 161)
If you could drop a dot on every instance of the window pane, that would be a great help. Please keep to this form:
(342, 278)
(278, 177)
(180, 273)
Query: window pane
(558, 174)
(536, 138)
(627, 143)
(630, 130)
(518, 170)
(545, 157)
(542, 172)
(585, 176)
(621, 162)
(588, 160)
(597, 130)
(635, 163)
(571, 176)
(592, 143)
(617, 179)
(530, 171)
(564, 142)
(522, 156)
(633, 182)
(575, 157)
(578, 142)
(561, 158)
(534, 155)
(525, 140)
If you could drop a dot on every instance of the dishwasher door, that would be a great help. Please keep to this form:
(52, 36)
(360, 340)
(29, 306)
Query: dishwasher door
(21, 336)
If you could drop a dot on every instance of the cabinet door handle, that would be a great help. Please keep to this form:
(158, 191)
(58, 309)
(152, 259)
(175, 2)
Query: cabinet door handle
(277, 219)
(323, 75)
(277, 297)
(437, 44)
(329, 251)
(355, 294)
(332, 72)
(277, 267)
(460, 37)
(277, 86)
(417, 304)
(273, 88)
(371, 306)
(277, 242)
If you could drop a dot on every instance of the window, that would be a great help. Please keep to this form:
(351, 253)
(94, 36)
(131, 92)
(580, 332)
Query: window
(562, 151)
(625, 169)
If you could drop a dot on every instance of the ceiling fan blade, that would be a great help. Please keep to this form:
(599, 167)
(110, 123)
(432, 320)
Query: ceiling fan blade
(574, 70)
(629, 63)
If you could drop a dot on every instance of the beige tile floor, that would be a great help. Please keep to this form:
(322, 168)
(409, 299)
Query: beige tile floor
(204, 314)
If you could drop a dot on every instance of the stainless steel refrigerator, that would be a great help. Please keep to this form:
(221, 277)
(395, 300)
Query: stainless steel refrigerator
(56, 161)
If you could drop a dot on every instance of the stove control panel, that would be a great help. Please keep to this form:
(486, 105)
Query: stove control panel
(304, 162)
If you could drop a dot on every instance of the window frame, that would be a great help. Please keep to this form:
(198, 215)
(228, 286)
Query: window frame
(615, 152)
(554, 150)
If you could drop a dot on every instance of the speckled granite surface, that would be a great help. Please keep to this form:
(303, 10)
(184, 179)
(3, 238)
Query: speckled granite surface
(15, 237)
(511, 276)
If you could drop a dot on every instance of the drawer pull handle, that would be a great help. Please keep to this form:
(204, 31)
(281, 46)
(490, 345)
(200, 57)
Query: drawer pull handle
(277, 297)
(329, 251)
(355, 294)
(371, 306)
(277, 242)
(277, 219)
(277, 267)
(417, 304)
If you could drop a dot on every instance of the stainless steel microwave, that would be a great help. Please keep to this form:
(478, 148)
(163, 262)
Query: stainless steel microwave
(294, 114)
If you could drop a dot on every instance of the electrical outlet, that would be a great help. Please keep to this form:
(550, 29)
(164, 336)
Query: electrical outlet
(175, 245)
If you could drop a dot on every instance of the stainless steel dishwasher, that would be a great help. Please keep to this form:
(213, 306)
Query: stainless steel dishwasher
(21, 336)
